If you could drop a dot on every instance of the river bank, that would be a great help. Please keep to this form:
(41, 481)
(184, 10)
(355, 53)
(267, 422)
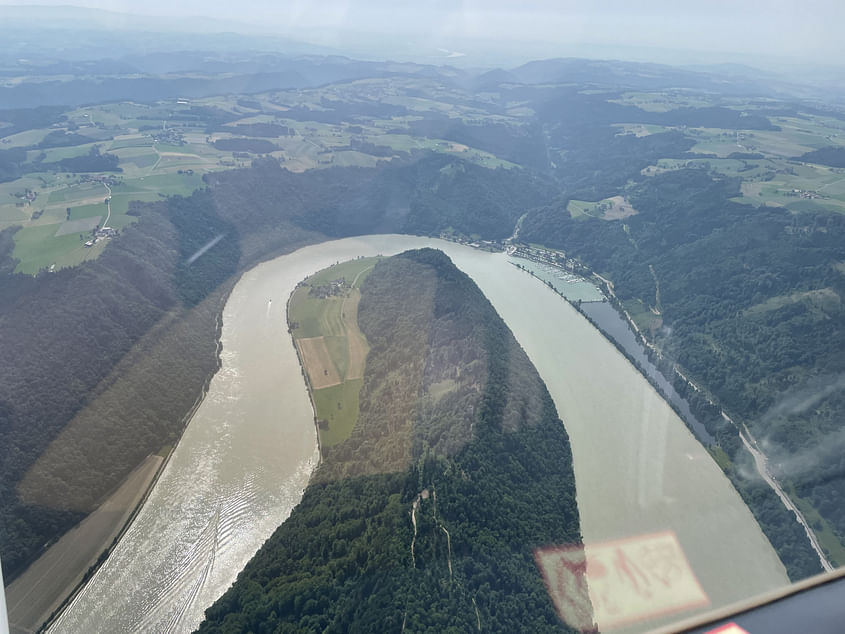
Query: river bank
(617, 324)
(55, 577)
(247, 454)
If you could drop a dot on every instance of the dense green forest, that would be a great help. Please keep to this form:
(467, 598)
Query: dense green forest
(426, 518)
(14, 164)
(94, 161)
(832, 156)
(750, 303)
(106, 359)
(256, 146)
(271, 130)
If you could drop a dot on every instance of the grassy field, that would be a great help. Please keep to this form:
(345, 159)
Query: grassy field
(615, 208)
(39, 247)
(154, 142)
(795, 137)
(64, 197)
(799, 187)
(25, 138)
(821, 300)
(663, 101)
(149, 171)
(642, 315)
(331, 346)
(338, 406)
(775, 177)
(824, 533)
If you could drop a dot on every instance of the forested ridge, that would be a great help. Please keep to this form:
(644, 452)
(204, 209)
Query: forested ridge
(750, 302)
(483, 464)
(103, 361)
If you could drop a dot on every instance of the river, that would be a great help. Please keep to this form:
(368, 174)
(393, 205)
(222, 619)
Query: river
(246, 455)
(613, 325)
(608, 319)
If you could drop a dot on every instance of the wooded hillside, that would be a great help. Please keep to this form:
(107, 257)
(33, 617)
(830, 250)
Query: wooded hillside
(428, 515)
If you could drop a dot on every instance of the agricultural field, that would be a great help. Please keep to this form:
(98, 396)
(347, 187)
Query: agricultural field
(323, 319)
(784, 183)
(663, 101)
(767, 162)
(795, 137)
(165, 148)
(615, 208)
(151, 165)
(52, 236)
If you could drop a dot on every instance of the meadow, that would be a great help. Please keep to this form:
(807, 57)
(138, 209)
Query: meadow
(331, 347)
(165, 148)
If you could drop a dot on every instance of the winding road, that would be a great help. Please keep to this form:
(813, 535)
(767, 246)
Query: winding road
(108, 207)
(762, 465)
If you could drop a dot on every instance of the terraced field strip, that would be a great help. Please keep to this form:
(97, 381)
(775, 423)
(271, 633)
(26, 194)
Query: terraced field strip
(323, 314)
(322, 372)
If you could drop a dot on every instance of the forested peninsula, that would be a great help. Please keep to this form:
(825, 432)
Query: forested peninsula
(105, 361)
(732, 261)
(426, 518)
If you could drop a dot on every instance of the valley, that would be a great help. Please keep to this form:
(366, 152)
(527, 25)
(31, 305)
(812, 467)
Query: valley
(149, 249)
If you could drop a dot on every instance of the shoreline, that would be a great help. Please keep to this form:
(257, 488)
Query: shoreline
(584, 424)
(92, 570)
(759, 458)
(307, 380)
(621, 349)
(65, 597)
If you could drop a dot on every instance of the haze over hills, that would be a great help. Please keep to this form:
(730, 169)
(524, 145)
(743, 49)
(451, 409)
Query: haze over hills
(454, 37)
(706, 200)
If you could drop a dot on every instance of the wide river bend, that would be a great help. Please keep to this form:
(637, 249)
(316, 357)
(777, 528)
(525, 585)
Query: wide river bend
(246, 455)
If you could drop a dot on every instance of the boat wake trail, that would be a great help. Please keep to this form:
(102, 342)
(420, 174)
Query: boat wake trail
(174, 601)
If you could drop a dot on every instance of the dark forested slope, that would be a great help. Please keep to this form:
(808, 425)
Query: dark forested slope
(750, 302)
(426, 518)
(103, 361)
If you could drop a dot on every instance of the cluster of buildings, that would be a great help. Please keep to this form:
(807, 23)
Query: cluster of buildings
(104, 179)
(171, 136)
(548, 256)
(101, 234)
(487, 245)
(332, 289)
(805, 193)
(26, 197)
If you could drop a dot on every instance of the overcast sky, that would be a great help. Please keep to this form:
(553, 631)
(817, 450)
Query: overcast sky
(809, 30)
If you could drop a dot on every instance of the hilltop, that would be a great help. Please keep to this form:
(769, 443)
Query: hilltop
(428, 515)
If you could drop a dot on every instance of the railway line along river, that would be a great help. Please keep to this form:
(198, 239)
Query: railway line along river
(246, 456)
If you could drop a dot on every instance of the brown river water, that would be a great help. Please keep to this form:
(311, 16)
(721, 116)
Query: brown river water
(246, 455)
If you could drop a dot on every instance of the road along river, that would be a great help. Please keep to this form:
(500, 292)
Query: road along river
(246, 456)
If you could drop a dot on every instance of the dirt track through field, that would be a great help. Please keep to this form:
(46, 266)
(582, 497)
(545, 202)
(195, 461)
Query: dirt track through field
(322, 371)
(355, 341)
